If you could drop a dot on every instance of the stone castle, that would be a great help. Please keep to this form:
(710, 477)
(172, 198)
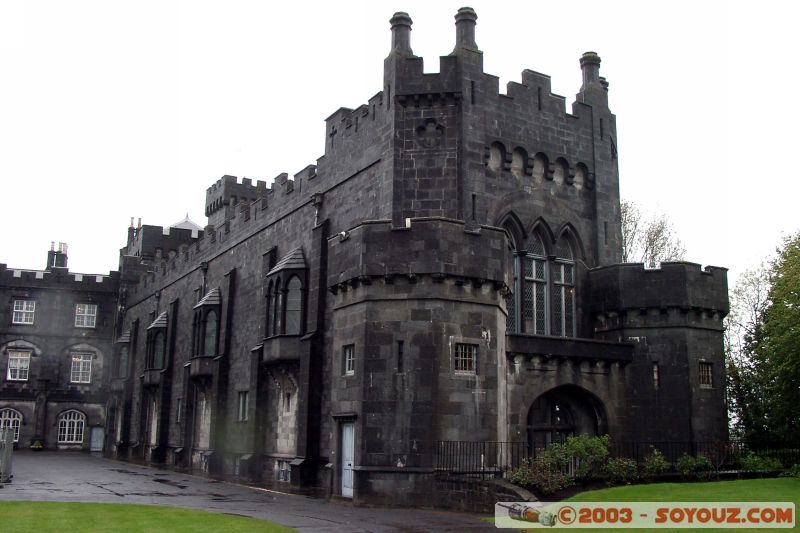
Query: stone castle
(449, 270)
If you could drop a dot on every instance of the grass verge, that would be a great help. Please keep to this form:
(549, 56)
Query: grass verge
(40, 517)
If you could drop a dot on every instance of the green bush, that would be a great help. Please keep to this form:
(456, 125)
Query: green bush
(694, 467)
(655, 463)
(685, 465)
(703, 466)
(793, 471)
(541, 475)
(590, 454)
(753, 462)
(621, 471)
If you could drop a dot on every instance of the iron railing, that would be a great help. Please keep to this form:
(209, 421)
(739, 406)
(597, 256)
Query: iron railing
(491, 458)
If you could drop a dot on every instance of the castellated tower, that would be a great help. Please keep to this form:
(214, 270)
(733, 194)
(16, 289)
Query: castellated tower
(445, 276)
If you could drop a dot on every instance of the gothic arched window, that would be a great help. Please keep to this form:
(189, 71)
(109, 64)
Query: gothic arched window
(564, 291)
(210, 334)
(159, 340)
(535, 287)
(293, 306)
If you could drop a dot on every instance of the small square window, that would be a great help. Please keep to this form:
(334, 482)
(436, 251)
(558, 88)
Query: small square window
(243, 401)
(706, 375)
(466, 358)
(18, 365)
(85, 315)
(24, 311)
(81, 368)
(349, 359)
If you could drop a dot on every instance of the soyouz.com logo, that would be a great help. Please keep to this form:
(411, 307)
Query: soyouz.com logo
(616, 515)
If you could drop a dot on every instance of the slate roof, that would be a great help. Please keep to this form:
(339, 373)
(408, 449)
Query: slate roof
(293, 260)
(125, 337)
(159, 322)
(186, 223)
(212, 297)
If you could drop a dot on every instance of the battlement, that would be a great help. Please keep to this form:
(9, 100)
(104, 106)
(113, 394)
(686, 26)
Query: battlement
(679, 285)
(58, 278)
(425, 247)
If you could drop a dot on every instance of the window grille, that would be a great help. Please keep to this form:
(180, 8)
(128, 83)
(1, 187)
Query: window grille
(465, 358)
(706, 375)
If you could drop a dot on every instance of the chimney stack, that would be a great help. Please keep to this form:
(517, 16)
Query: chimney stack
(465, 28)
(401, 33)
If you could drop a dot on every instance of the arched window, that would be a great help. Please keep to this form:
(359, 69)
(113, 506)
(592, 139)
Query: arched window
(564, 291)
(122, 368)
(534, 309)
(210, 337)
(70, 427)
(293, 306)
(9, 418)
(158, 350)
(276, 308)
(269, 314)
(511, 299)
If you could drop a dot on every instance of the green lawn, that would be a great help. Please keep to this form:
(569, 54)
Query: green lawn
(743, 490)
(40, 517)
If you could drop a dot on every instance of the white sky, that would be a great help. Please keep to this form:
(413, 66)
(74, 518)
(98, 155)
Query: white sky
(116, 109)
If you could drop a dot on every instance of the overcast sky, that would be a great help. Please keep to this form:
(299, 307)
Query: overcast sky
(111, 110)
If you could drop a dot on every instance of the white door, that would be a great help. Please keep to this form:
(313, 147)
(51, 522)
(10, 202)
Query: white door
(97, 439)
(348, 444)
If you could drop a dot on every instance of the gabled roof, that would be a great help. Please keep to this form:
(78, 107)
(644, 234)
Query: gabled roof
(159, 322)
(125, 338)
(212, 297)
(293, 260)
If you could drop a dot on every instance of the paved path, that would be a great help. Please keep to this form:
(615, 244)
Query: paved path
(78, 477)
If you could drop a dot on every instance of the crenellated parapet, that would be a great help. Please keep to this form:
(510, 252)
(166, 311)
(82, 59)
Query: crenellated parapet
(228, 192)
(427, 247)
(59, 278)
(680, 293)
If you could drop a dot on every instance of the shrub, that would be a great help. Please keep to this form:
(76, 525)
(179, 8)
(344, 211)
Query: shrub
(655, 463)
(685, 465)
(590, 454)
(541, 475)
(621, 470)
(752, 462)
(794, 471)
(703, 466)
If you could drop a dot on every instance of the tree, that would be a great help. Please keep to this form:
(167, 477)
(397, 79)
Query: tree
(746, 374)
(763, 350)
(649, 240)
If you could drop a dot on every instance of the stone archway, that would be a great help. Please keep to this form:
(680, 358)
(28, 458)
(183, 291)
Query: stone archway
(564, 411)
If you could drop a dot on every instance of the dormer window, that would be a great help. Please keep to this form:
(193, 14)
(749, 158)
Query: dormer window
(157, 342)
(285, 296)
(206, 324)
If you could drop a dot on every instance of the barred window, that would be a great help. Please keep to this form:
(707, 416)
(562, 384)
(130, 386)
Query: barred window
(349, 359)
(656, 377)
(706, 379)
(85, 315)
(465, 361)
(18, 365)
(81, 368)
(9, 418)
(282, 471)
(70, 427)
(24, 311)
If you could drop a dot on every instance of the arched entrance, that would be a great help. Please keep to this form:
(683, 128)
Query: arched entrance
(564, 411)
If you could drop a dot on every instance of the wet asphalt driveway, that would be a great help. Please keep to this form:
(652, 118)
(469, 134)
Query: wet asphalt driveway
(77, 477)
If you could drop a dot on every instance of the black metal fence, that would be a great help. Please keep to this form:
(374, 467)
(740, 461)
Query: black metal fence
(491, 458)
